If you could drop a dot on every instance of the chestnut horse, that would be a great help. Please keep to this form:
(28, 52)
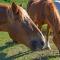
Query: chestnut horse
(15, 20)
(39, 10)
(35, 9)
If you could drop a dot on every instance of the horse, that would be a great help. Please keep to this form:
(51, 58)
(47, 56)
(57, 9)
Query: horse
(20, 27)
(38, 11)
(44, 11)
(35, 9)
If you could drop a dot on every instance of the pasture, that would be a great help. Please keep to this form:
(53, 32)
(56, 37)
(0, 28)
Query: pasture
(12, 51)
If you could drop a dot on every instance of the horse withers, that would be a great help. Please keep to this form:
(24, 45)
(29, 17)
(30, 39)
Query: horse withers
(15, 20)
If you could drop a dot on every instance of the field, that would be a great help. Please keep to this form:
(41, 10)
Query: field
(11, 51)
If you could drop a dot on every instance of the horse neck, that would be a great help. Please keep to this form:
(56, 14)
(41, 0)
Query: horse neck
(54, 18)
(6, 17)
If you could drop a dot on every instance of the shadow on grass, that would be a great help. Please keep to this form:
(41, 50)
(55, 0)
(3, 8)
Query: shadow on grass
(7, 45)
(54, 56)
(42, 58)
(47, 57)
(3, 56)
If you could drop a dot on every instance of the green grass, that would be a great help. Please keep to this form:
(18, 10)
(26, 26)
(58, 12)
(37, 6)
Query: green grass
(10, 51)
(23, 2)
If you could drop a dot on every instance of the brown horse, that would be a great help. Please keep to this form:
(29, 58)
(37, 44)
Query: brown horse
(36, 11)
(15, 20)
(44, 11)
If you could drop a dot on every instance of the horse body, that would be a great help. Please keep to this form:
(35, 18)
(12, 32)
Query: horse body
(45, 11)
(3, 18)
(15, 20)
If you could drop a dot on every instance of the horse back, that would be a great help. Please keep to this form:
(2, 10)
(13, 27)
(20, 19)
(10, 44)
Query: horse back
(3, 13)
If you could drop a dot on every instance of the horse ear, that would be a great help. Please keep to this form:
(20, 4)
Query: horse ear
(14, 8)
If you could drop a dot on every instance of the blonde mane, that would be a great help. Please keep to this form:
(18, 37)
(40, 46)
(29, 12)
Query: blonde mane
(23, 12)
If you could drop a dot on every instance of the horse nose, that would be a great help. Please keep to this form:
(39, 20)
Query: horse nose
(37, 44)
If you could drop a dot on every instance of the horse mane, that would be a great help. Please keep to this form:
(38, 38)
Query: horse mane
(56, 12)
(23, 13)
(56, 16)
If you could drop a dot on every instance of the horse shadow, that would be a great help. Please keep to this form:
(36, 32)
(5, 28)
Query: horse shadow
(7, 45)
(3, 56)
(46, 57)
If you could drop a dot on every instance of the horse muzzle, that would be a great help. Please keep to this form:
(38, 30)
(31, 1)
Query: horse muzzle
(36, 45)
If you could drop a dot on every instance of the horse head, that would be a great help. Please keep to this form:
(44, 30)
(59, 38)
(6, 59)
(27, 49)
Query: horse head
(29, 34)
(23, 30)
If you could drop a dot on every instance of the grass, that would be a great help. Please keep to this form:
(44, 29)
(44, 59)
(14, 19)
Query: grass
(10, 51)
(23, 2)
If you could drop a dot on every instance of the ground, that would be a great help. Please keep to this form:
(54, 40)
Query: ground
(12, 51)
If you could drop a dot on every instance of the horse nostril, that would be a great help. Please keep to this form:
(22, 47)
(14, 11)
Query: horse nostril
(33, 44)
(37, 44)
(42, 43)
